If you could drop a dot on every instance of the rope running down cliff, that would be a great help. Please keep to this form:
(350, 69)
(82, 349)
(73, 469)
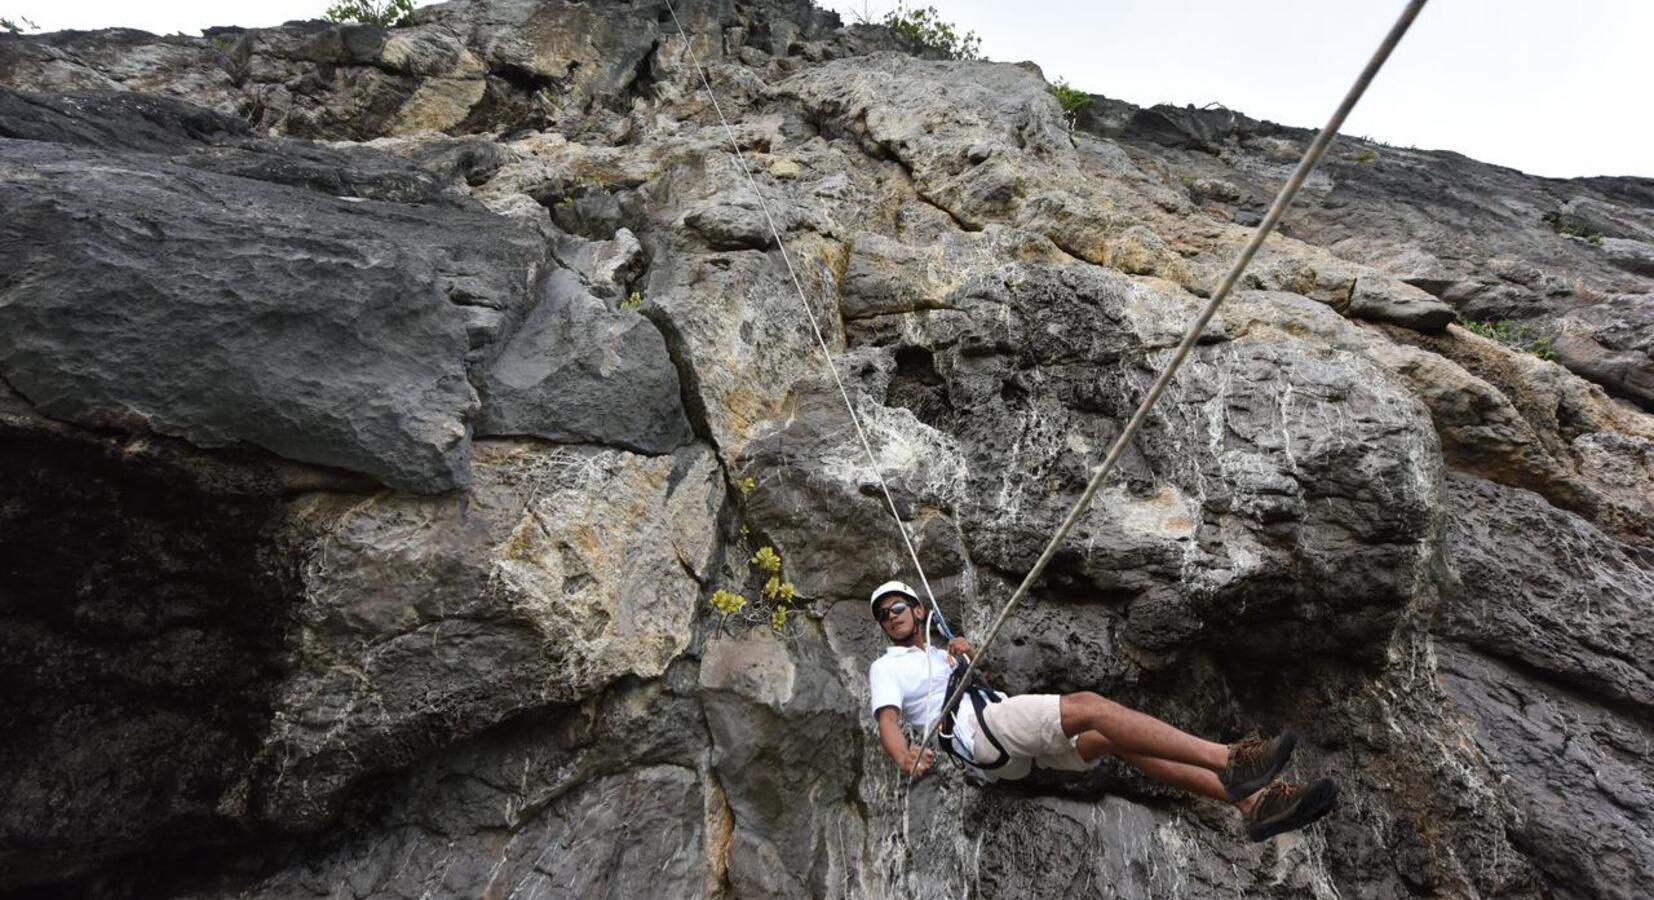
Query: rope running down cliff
(1312, 156)
(809, 313)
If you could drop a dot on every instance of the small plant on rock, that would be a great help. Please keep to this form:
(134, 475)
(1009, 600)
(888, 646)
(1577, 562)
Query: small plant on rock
(633, 301)
(1565, 224)
(1364, 156)
(11, 27)
(384, 13)
(1516, 335)
(1071, 99)
(776, 599)
(766, 559)
(924, 26)
(728, 603)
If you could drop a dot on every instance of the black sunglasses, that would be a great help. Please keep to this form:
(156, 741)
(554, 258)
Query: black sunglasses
(885, 612)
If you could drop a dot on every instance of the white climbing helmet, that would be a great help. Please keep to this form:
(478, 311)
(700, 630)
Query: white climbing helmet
(890, 587)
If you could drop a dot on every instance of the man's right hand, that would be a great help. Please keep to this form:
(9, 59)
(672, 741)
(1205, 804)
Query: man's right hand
(918, 763)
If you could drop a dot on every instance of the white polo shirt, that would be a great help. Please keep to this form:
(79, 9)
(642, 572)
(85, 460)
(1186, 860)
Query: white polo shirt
(898, 679)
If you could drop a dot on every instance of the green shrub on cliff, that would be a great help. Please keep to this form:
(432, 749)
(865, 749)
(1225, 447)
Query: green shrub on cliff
(384, 13)
(1516, 335)
(11, 27)
(924, 26)
(1070, 98)
(1565, 224)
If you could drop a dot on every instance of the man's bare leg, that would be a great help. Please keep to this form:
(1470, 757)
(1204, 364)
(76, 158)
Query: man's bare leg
(1139, 734)
(1194, 779)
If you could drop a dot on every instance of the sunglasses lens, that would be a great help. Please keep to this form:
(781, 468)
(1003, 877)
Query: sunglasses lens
(893, 609)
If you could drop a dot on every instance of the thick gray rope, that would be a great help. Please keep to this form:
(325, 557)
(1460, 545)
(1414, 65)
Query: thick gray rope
(809, 314)
(1282, 200)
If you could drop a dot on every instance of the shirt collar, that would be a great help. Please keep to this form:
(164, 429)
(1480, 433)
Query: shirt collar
(894, 651)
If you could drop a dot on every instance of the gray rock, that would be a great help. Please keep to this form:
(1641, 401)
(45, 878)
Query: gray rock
(782, 727)
(517, 688)
(1636, 257)
(327, 331)
(1387, 300)
(577, 371)
(1214, 189)
(427, 619)
(552, 803)
(1542, 588)
(113, 120)
(1572, 770)
(1550, 660)
(152, 687)
(1612, 343)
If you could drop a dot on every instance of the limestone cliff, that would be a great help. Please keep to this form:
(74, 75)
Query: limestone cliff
(379, 410)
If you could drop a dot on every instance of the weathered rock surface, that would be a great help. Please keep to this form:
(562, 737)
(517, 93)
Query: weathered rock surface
(1549, 656)
(379, 409)
(233, 308)
(578, 371)
(1490, 242)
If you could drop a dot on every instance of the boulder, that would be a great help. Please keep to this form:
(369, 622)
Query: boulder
(325, 329)
(561, 571)
(1388, 300)
(577, 371)
(1612, 344)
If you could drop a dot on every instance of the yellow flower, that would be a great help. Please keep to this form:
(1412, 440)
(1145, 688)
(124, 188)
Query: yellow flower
(727, 602)
(776, 589)
(746, 485)
(778, 619)
(766, 559)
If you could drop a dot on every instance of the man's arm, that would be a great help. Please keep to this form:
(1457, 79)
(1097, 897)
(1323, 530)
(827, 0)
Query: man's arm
(909, 759)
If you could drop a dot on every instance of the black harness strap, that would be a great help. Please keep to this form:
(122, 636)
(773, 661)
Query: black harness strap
(980, 695)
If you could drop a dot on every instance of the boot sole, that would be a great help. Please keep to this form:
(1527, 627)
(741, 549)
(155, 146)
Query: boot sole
(1239, 792)
(1316, 801)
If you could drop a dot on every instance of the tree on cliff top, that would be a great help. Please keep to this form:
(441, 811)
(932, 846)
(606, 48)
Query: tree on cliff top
(384, 13)
(924, 26)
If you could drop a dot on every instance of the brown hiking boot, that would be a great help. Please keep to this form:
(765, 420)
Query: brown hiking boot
(1254, 763)
(1284, 806)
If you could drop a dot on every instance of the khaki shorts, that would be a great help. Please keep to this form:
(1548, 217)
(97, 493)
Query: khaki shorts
(1029, 727)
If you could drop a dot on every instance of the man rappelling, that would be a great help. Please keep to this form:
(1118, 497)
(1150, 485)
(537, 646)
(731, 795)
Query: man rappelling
(1003, 737)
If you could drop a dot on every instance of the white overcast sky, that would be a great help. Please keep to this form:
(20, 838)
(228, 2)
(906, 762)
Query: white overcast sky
(1558, 89)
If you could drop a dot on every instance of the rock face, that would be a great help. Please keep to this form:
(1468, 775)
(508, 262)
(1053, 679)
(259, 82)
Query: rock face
(1491, 243)
(381, 408)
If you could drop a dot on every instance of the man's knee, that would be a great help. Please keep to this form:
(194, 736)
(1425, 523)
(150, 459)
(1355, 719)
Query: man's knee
(1081, 711)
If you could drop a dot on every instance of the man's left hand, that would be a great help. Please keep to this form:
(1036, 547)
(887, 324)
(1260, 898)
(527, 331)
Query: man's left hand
(959, 646)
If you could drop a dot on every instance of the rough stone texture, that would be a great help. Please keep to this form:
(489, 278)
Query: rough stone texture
(143, 623)
(1490, 242)
(270, 641)
(1550, 659)
(323, 328)
(1388, 300)
(1612, 343)
(560, 571)
(577, 371)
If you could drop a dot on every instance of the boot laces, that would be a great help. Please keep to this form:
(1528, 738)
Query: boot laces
(1272, 800)
(1248, 752)
(1280, 790)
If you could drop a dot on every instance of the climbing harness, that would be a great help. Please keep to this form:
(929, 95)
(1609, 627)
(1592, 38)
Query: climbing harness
(981, 695)
(964, 680)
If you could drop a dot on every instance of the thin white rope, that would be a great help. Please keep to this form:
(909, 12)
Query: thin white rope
(1312, 155)
(809, 315)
